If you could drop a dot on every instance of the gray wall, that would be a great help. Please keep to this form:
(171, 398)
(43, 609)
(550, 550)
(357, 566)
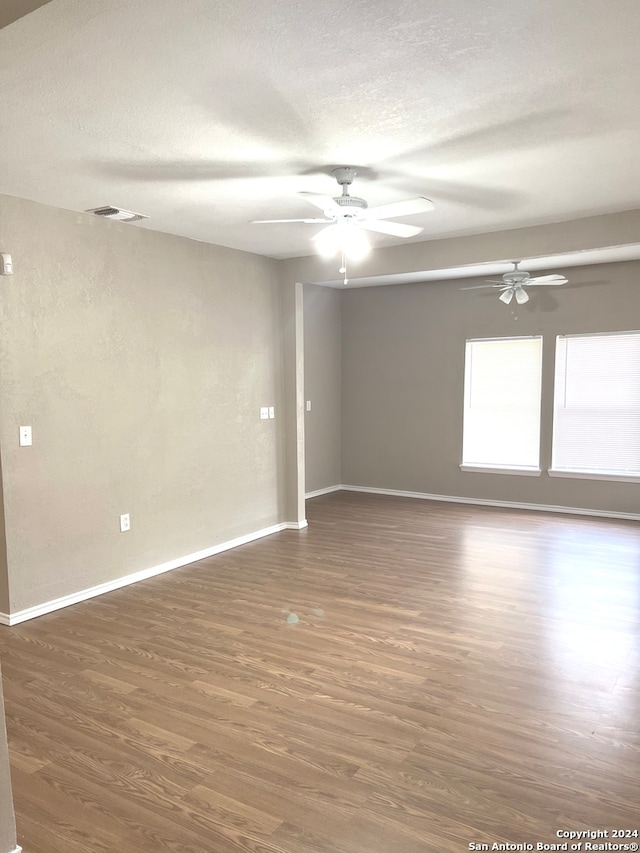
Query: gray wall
(141, 360)
(323, 385)
(403, 370)
(7, 820)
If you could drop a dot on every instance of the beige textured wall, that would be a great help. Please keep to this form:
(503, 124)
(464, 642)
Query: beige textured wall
(7, 820)
(403, 367)
(322, 385)
(11, 10)
(141, 360)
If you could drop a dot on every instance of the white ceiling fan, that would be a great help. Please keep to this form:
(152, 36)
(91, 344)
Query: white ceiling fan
(513, 284)
(346, 216)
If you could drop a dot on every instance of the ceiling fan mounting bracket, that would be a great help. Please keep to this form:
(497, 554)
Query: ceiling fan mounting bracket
(344, 175)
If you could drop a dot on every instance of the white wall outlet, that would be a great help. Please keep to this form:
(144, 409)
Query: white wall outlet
(272, 412)
(308, 405)
(264, 413)
(125, 523)
(26, 439)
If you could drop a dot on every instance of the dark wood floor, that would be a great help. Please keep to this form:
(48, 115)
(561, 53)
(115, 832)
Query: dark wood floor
(457, 675)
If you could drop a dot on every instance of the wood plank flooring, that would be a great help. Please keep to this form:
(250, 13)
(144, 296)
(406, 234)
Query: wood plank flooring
(457, 675)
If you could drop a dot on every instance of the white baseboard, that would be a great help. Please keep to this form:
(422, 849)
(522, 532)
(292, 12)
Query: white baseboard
(100, 589)
(570, 510)
(325, 491)
(127, 580)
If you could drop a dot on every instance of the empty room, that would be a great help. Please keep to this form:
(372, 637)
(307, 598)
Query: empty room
(319, 427)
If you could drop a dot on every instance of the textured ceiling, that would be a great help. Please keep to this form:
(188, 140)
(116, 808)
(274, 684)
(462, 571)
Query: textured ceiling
(205, 116)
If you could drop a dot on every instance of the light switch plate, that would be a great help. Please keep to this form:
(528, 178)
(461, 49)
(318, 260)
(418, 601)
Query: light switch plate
(26, 439)
(308, 405)
(272, 411)
(6, 264)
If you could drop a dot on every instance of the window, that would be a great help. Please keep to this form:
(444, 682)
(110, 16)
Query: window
(596, 423)
(502, 383)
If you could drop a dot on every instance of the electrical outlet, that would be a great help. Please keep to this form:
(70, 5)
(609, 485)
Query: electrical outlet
(264, 413)
(125, 523)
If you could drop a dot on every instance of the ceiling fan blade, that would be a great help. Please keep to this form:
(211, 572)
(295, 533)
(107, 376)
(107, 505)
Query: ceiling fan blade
(395, 229)
(547, 279)
(506, 297)
(521, 296)
(480, 286)
(401, 208)
(324, 202)
(308, 221)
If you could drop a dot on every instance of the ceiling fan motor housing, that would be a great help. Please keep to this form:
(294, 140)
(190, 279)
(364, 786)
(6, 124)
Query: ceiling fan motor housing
(351, 201)
(350, 208)
(516, 277)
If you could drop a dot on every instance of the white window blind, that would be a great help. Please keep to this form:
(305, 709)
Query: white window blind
(502, 403)
(596, 424)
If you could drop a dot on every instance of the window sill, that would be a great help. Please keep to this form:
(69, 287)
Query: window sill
(596, 475)
(496, 469)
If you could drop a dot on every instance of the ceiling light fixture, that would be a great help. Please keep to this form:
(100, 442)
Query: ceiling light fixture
(343, 238)
(513, 283)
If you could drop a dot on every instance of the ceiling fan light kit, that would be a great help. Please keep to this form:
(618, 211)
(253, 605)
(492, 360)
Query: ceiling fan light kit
(342, 238)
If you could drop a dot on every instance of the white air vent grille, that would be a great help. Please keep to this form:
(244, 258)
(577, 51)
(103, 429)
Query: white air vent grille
(118, 213)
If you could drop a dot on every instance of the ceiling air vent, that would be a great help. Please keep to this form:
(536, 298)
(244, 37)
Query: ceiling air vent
(118, 213)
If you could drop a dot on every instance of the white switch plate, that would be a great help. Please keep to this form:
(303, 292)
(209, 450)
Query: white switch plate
(25, 436)
(272, 411)
(264, 413)
(125, 523)
(6, 264)
(308, 405)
